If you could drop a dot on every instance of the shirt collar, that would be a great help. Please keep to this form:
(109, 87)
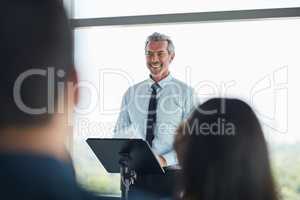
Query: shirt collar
(162, 83)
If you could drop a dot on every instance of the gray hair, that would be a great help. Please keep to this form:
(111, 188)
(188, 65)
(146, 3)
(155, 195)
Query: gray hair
(160, 37)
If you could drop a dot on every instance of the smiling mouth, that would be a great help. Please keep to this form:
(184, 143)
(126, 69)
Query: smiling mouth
(156, 66)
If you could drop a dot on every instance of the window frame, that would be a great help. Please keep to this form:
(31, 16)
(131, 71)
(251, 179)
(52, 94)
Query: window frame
(177, 18)
(216, 16)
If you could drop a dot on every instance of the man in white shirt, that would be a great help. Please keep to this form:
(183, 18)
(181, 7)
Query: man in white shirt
(153, 108)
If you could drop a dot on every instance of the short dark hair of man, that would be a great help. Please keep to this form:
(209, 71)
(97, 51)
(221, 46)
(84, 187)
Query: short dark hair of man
(36, 43)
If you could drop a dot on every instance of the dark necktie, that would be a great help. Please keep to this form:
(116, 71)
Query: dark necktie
(151, 115)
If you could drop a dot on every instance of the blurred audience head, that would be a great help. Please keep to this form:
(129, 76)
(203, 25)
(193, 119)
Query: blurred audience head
(36, 58)
(223, 154)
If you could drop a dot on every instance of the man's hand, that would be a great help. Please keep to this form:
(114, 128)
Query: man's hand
(162, 161)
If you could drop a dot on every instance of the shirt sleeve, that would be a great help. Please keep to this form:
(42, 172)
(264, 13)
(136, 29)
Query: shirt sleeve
(124, 128)
(171, 158)
(191, 103)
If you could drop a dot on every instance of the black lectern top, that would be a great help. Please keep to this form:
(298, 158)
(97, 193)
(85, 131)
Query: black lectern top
(110, 151)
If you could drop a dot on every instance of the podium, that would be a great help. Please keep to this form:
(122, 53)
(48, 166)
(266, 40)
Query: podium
(129, 157)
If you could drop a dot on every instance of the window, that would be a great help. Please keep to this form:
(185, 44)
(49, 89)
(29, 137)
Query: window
(111, 8)
(253, 60)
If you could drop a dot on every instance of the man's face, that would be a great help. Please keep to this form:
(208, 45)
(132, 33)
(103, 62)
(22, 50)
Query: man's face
(158, 58)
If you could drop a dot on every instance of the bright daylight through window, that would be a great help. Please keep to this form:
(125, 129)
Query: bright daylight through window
(255, 60)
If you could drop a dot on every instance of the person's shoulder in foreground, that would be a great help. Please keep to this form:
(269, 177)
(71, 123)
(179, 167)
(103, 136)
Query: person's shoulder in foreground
(28, 176)
(36, 59)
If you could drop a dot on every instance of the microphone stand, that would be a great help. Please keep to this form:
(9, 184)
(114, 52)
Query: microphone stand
(128, 175)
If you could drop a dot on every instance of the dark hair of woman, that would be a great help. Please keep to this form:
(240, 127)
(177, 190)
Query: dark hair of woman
(223, 154)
